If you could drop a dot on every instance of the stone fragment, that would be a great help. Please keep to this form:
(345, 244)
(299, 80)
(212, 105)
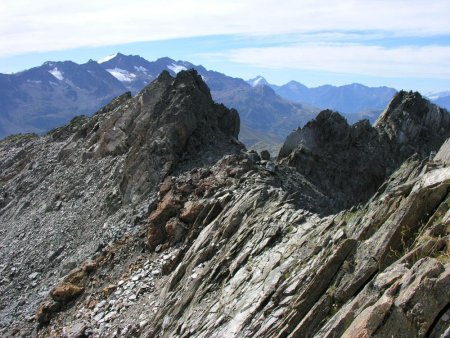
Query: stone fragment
(190, 211)
(46, 311)
(77, 330)
(175, 230)
(33, 275)
(271, 167)
(99, 316)
(253, 156)
(109, 289)
(65, 292)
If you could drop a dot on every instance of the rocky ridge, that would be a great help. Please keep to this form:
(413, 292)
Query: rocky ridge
(240, 246)
(352, 161)
(65, 196)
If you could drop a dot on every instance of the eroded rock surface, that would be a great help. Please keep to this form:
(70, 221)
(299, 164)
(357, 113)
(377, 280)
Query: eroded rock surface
(229, 244)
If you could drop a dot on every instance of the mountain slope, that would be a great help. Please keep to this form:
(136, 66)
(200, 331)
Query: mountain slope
(44, 97)
(443, 101)
(263, 110)
(65, 195)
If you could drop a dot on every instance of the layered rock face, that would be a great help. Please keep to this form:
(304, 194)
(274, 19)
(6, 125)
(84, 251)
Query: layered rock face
(351, 162)
(236, 246)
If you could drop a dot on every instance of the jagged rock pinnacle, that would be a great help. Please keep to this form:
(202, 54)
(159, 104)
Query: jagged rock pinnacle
(351, 162)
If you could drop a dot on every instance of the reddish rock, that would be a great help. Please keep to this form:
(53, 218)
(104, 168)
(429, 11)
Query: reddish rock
(367, 322)
(235, 172)
(46, 310)
(175, 229)
(65, 292)
(166, 185)
(77, 330)
(109, 289)
(155, 236)
(186, 189)
(167, 208)
(191, 211)
(89, 265)
(77, 277)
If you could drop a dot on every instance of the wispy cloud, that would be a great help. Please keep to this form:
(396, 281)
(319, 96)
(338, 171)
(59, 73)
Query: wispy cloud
(407, 61)
(29, 25)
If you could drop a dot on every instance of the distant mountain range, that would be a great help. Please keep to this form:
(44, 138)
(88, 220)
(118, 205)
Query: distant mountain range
(441, 99)
(41, 98)
(355, 101)
(44, 97)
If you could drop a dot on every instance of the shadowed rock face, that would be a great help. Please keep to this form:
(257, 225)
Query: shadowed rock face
(351, 162)
(168, 122)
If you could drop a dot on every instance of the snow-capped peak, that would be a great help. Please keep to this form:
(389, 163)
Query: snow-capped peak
(257, 81)
(107, 58)
(176, 68)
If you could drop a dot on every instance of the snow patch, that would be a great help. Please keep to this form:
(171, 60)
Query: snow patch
(56, 73)
(107, 58)
(122, 75)
(141, 69)
(176, 68)
(34, 81)
(258, 81)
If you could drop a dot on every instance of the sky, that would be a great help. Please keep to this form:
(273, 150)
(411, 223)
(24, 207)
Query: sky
(397, 43)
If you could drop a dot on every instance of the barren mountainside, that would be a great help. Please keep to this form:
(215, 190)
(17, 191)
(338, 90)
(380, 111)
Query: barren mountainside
(150, 219)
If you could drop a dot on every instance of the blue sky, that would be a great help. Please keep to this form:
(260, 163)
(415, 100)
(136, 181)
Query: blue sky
(402, 44)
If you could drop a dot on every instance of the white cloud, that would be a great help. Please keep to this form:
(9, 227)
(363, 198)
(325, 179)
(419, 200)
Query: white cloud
(406, 62)
(44, 25)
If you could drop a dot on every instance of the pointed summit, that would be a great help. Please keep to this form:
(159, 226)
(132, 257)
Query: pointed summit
(411, 120)
(258, 81)
(178, 112)
(361, 156)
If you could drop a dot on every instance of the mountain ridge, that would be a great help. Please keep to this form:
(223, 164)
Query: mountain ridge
(37, 107)
(361, 155)
(352, 99)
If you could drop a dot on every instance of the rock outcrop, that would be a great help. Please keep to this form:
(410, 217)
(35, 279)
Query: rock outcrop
(351, 162)
(65, 196)
(187, 235)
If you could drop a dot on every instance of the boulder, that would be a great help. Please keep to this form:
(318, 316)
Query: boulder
(265, 155)
(66, 292)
